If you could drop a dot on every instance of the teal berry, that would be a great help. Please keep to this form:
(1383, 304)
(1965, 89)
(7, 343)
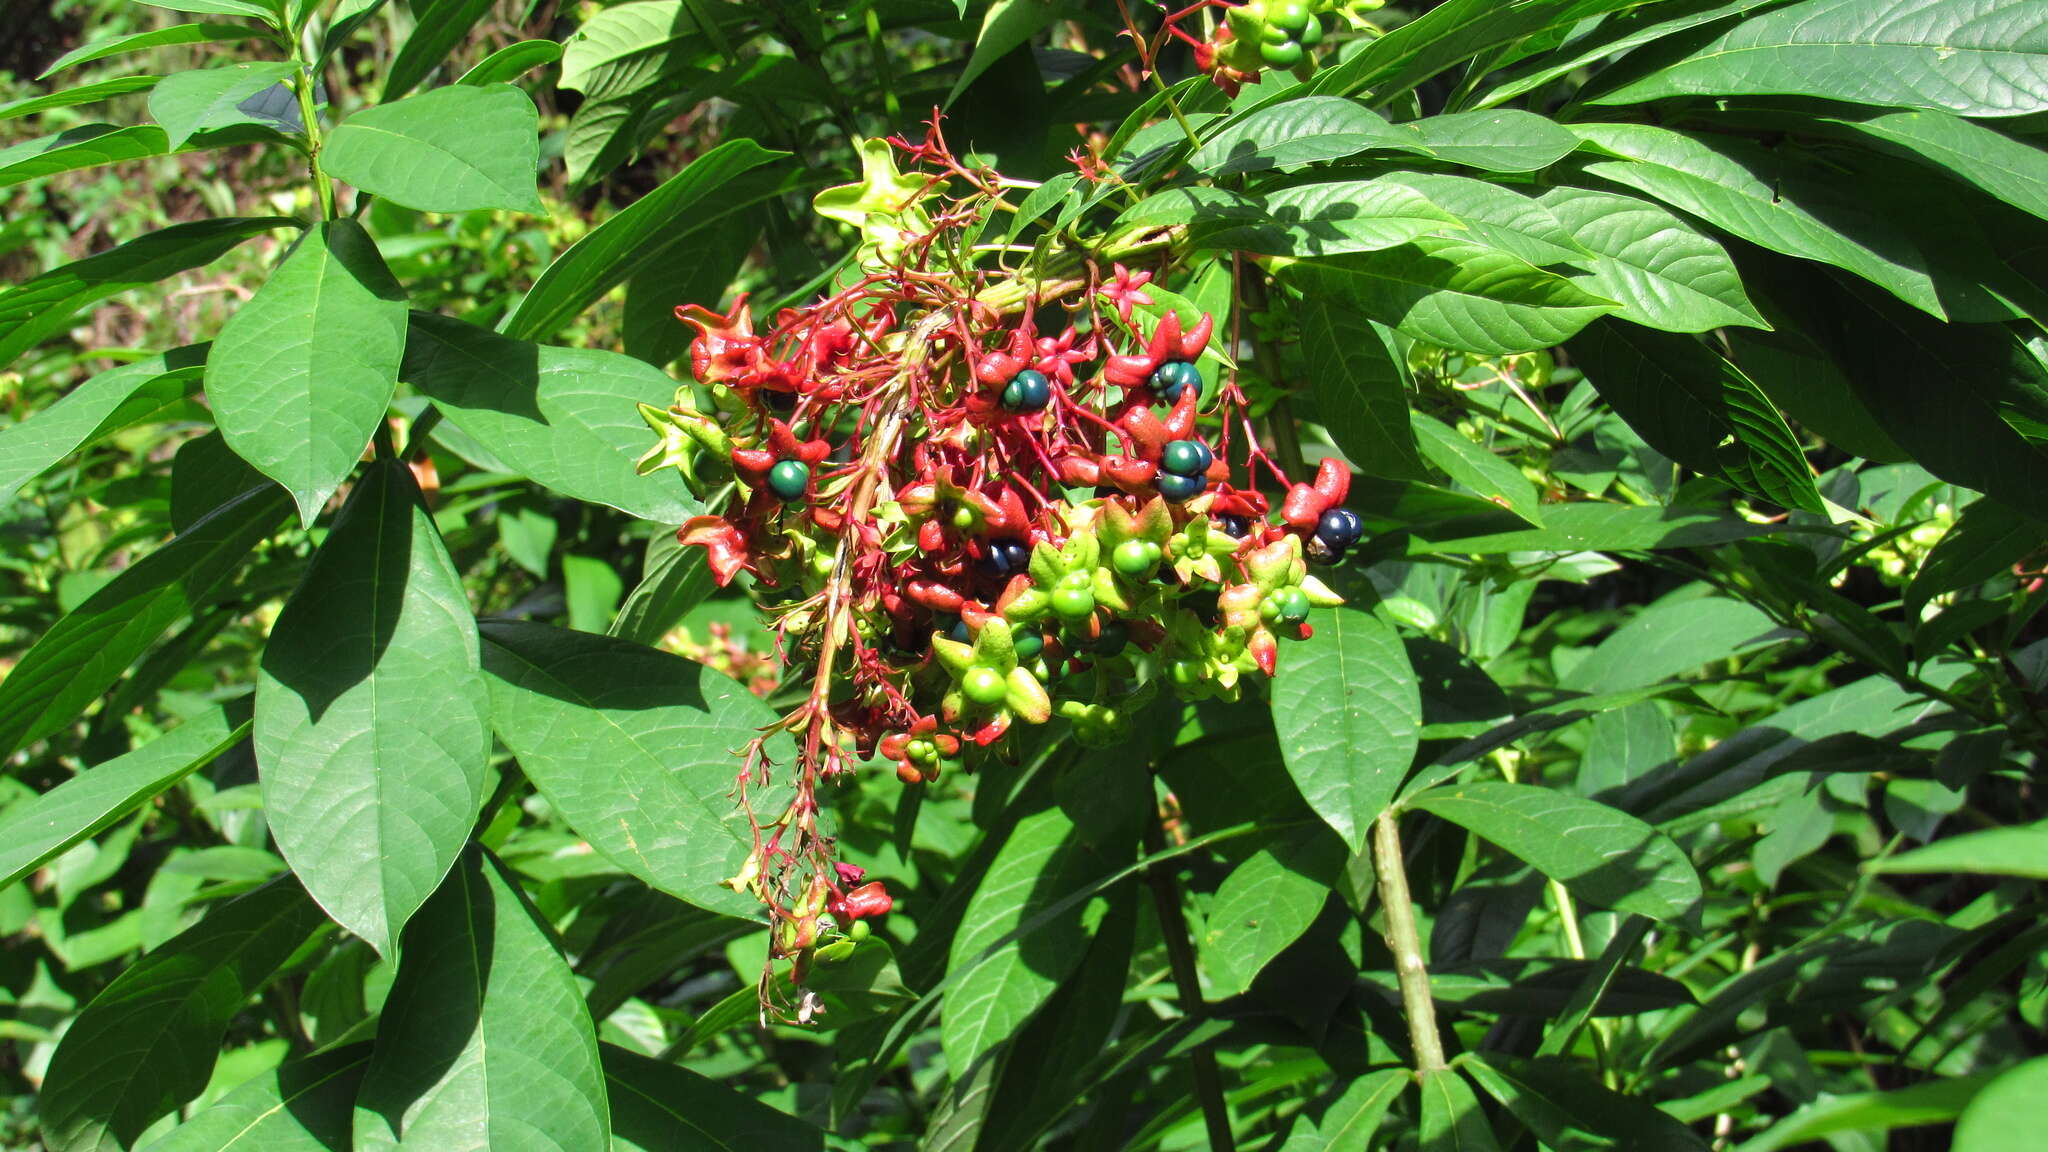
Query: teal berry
(789, 478)
(1177, 488)
(1169, 378)
(1027, 391)
(1292, 604)
(1187, 458)
(1028, 645)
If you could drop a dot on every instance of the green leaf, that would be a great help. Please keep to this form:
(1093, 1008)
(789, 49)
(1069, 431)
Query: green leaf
(449, 149)
(1624, 744)
(1351, 1115)
(512, 61)
(1264, 905)
(1451, 1119)
(1767, 198)
(302, 373)
(88, 649)
(700, 272)
(2019, 850)
(1501, 140)
(592, 590)
(1006, 26)
(1664, 274)
(1606, 857)
(485, 1041)
(989, 998)
(72, 97)
(2007, 1114)
(189, 102)
(88, 146)
(1589, 527)
(35, 831)
(1361, 388)
(261, 11)
(1475, 467)
(566, 418)
(1349, 711)
(1334, 217)
(438, 26)
(702, 194)
(659, 1107)
(204, 476)
(1300, 131)
(1497, 216)
(629, 47)
(1449, 34)
(96, 408)
(46, 305)
(1695, 406)
(1571, 1111)
(199, 33)
(1617, 33)
(1914, 1106)
(372, 717)
(635, 748)
(146, 1044)
(300, 1106)
(676, 579)
(2011, 170)
(1970, 57)
(1985, 542)
(1454, 293)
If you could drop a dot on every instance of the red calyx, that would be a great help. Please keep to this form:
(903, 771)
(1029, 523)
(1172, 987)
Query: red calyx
(870, 899)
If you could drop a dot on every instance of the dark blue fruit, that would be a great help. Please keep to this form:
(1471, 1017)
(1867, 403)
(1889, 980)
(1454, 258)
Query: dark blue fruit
(1005, 557)
(1340, 528)
(1235, 527)
(1112, 639)
(1187, 457)
(1027, 391)
(1169, 378)
(1177, 488)
(789, 478)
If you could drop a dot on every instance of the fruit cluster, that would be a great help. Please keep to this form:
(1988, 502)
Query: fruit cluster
(971, 499)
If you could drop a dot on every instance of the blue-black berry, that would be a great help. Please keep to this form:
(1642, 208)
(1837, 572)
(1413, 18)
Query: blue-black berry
(1169, 378)
(1340, 528)
(1176, 487)
(1004, 557)
(1027, 391)
(1235, 527)
(1187, 457)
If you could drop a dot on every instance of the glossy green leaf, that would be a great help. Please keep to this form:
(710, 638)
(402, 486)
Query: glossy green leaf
(206, 475)
(72, 97)
(630, 47)
(700, 272)
(1914, 1106)
(1970, 57)
(1361, 388)
(700, 196)
(1986, 541)
(1475, 466)
(1617, 33)
(1605, 856)
(87, 146)
(2006, 1115)
(2012, 170)
(253, 8)
(1263, 905)
(1453, 293)
(1765, 198)
(1571, 1111)
(92, 645)
(1697, 407)
(302, 374)
(659, 1107)
(512, 61)
(145, 1045)
(677, 579)
(199, 33)
(1662, 272)
(1005, 27)
(565, 418)
(485, 1041)
(372, 717)
(1624, 744)
(439, 26)
(46, 305)
(108, 401)
(1502, 140)
(1587, 526)
(1303, 220)
(2018, 850)
(1446, 35)
(189, 102)
(990, 997)
(1451, 1118)
(451, 149)
(33, 832)
(301, 1106)
(1297, 132)
(635, 748)
(1349, 713)
(1497, 216)
(1351, 1115)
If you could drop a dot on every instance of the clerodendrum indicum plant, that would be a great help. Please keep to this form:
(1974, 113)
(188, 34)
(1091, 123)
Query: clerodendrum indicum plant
(1289, 574)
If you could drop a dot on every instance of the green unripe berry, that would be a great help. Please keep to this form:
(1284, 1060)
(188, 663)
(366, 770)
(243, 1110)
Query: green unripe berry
(1283, 55)
(965, 518)
(920, 751)
(1135, 558)
(1186, 457)
(1027, 644)
(1073, 603)
(984, 685)
(1186, 673)
(1081, 580)
(1311, 32)
(1289, 15)
(1291, 604)
(789, 478)
(859, 930)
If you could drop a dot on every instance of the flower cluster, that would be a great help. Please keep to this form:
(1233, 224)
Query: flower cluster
(973, 499)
